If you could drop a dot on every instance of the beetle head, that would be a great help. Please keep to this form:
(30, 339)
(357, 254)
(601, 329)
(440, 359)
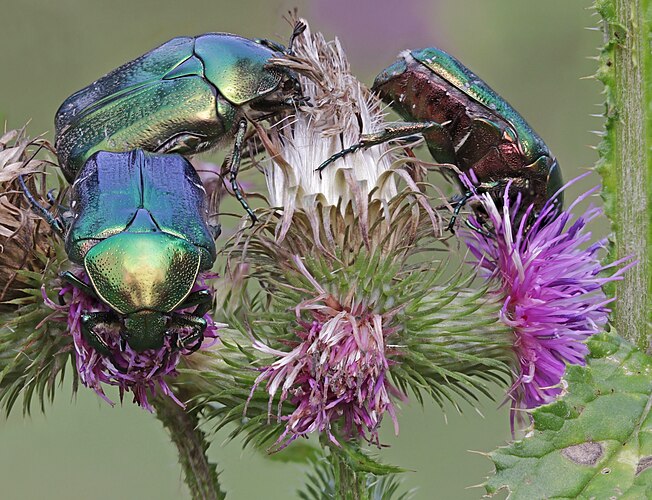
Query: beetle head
(287, 96)
(145, 329)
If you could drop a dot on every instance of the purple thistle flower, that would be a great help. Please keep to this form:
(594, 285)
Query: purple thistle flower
(551, 279)
(142, 373)
(337, 370)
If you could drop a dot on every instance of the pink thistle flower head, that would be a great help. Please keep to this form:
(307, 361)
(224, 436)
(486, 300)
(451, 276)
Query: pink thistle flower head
(142, 373)
(550, 278)
(336, 370)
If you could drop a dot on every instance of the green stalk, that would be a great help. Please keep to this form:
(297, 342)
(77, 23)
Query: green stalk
(200, 475)
(349, 484)
(626, 157)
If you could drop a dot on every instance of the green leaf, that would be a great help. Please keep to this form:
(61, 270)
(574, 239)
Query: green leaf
(359, 461)
(298, 452)
(595, 441)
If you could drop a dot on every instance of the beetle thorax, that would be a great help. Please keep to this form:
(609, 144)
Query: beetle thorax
(134, 272)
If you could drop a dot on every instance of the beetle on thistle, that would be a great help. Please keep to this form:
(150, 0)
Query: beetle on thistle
(138, 224)
(186, 96)
(467, 124)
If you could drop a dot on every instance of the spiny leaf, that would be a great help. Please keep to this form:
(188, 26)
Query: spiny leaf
(360, 461)
(298, 452)
(595, 441)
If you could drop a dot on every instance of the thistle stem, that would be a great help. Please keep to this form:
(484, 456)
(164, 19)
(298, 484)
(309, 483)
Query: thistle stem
(349, 484)
(200, 474)
(627, 75)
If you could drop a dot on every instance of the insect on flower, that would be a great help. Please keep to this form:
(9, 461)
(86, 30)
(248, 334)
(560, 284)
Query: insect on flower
(144, 373)
(138, 224)
(465, 124)
(186, 96)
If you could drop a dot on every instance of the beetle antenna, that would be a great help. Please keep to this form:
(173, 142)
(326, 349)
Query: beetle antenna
(54, 223)
(299, 28)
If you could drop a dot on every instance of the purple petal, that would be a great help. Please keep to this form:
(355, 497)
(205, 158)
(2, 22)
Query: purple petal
(551, 287)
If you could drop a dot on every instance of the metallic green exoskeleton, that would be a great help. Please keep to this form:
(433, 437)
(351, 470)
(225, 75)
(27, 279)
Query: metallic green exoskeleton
(467, 124)
(138, 224)
(186, 96)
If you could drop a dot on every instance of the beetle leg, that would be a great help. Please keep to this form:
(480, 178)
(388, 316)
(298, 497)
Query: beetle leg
(203, 299)
(485, 187)
(88, 323)
(56, 224)
(298, 29)
(234, 167)
(174, 339)
(196, 335)
(271, 44)
(77, 283)
(387, 134)
(183, 144)
(215, 229)
(477, 229)
(54, 203)
(65, 216)
(458, 204)
(51, 198)
(89, 320)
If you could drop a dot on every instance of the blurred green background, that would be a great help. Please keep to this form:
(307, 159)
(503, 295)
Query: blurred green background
(533, 53)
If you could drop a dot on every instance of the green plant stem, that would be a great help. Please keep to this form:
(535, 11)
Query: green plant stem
(200, 475)
(349, 484)
(626, 68)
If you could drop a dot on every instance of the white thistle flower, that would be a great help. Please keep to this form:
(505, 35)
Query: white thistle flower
(343, 110)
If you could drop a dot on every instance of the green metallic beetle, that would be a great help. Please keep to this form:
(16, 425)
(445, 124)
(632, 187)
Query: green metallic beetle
(467, 124)
(138, 224)
(186, 96)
